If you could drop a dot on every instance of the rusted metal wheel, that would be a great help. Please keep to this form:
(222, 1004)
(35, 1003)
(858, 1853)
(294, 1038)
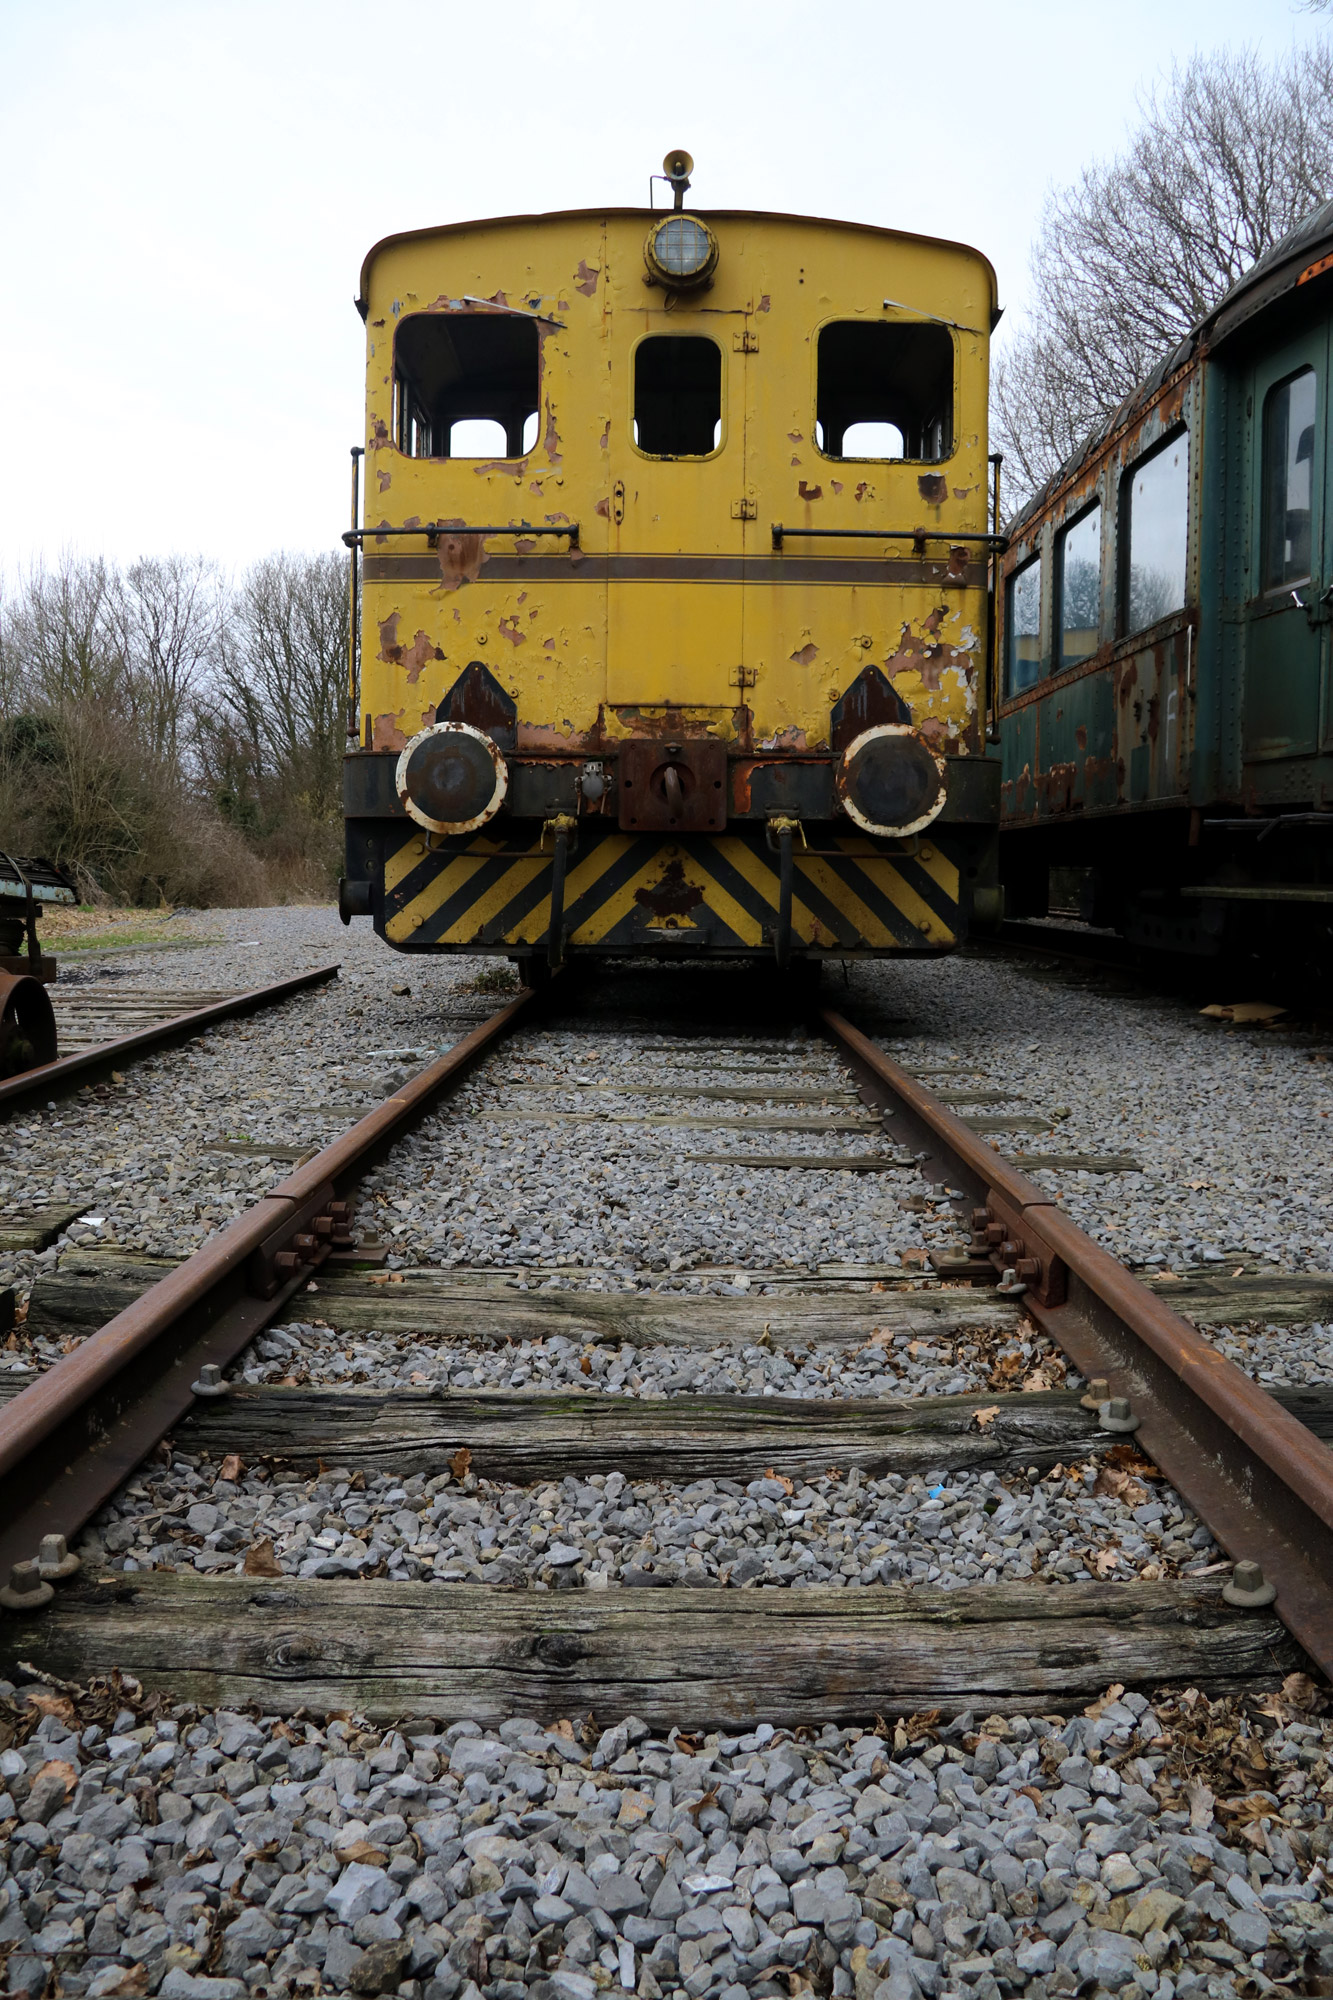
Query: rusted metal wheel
(27, 1024)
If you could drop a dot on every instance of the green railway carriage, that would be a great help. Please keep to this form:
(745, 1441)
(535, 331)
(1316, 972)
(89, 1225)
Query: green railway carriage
(1166, 711)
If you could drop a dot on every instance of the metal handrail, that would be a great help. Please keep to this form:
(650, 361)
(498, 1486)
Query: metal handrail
(920, 536)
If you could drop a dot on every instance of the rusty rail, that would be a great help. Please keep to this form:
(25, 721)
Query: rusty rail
(68, 1072)
(1256, 1476)
(68, 1440)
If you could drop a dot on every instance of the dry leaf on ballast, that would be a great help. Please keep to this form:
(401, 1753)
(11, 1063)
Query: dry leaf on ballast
(260, 1560)
(1201, 1803)
(1243, 1010)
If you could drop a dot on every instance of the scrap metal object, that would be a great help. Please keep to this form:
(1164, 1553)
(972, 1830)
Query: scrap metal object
(27, 1024)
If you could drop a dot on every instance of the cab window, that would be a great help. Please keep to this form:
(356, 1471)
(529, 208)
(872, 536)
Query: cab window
(1155, 497)
(465, 385)
(1289, 426)
(1079, 581)
(884, 391)
(1022, 627)
(677, 395)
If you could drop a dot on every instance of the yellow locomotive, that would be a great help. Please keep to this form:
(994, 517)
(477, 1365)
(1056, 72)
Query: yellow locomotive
(670, 589)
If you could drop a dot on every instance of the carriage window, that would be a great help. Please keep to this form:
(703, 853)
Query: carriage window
(1155, 496)
(1289, 422)
(465, 385)
(884, 391)
(677, 395)
(1022, 627)
(1079, 569)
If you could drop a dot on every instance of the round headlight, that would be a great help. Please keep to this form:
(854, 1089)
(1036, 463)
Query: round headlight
(451, 778)
(890, 781)
(681, 251)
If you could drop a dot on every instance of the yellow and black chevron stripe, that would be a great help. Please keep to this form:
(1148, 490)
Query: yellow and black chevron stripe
(637, 892)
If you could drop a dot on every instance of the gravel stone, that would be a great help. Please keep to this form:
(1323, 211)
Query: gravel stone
(1074, 1524)
(949, 1857)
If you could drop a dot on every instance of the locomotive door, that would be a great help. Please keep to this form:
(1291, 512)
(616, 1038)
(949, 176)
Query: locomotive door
(1285, 620)
(677, 537)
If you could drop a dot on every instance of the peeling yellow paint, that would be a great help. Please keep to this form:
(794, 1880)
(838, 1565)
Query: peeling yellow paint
(652, 612)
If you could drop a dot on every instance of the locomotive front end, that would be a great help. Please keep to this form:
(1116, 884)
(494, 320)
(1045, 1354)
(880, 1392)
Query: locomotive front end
(672, 590)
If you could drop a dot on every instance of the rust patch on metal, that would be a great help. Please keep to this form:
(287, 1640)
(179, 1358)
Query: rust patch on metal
(763, 305)
(460, 559)
(585, 281)
(925, 654)
(807, 655)
(509, 626)
(390, 651)
(384, 476)
(380, 435)
(810, 492)
(933, 488)
(603, 507)
(544, 738)
(387, 734)
(1058, 784)
(957, 566)
(790, 738)
(673, 896)
(1081, 735)
(415, 656)
(551, 438)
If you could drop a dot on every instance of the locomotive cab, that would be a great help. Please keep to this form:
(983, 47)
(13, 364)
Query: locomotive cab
(671, 589)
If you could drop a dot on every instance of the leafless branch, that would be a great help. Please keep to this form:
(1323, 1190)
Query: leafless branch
(1229, 154)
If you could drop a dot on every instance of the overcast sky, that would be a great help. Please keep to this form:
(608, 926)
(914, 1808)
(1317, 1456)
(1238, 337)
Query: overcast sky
(190, 187)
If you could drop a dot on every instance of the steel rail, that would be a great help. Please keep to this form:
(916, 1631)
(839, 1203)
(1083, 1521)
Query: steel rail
(70, 1438)
(1255, 1475)
(68, 1072)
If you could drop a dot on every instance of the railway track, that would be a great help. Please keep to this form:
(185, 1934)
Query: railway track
(1256, 1473)
(470, 1504)
(101, 1026)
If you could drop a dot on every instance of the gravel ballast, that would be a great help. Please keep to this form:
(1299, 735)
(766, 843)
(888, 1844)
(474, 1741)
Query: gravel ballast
(1157, 1844)
(217, 1855)
(1073, 1525)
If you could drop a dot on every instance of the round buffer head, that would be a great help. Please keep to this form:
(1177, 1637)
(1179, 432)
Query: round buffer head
(451, 778)
(890, 781)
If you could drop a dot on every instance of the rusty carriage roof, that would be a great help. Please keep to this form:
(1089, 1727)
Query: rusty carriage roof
(1303, 256)
(645, 216)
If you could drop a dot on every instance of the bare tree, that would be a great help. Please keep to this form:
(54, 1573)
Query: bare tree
(166, 734)
(169, 611)
(62, 638)
(1230, 153)
(282, 677)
